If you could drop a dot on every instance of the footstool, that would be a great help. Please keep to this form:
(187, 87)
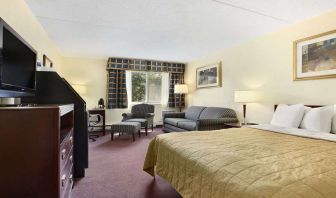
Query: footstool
(125, 127)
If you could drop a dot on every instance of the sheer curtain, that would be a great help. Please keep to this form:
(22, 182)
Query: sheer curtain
(129, 87)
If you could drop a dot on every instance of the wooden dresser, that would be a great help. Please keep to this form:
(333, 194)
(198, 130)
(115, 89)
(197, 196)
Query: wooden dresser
(36, 151)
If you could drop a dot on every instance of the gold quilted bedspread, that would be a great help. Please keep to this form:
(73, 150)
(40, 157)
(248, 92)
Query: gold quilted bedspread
(244, 162)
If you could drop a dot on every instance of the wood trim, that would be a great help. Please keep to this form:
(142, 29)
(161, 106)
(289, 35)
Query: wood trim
(311, 106)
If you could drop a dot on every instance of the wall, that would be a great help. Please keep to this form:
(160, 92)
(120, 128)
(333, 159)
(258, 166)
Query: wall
(91, 73)
(19, 16)
(264, 64)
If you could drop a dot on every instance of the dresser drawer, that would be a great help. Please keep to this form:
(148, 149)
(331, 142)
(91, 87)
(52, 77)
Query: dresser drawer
(66, 149)
(68, 189)
(66, 179)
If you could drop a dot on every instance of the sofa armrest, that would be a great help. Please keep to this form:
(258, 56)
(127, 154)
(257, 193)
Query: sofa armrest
(127, 116)
(173, 115)
(213, 124)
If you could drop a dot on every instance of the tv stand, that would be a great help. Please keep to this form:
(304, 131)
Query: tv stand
(37, 151)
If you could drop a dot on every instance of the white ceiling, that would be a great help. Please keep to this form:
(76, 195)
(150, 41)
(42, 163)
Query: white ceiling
(175, 30)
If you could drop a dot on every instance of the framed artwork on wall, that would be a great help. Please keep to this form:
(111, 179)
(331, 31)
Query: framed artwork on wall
(209, 76)
(315, 57)
(47, 62)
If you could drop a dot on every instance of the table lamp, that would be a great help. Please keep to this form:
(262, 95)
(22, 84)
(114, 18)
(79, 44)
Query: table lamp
(180, 89)
(244, 97)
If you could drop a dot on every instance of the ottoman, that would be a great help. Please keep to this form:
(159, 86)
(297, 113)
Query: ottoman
(125, 127)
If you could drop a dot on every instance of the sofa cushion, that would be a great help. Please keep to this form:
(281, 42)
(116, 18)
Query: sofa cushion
(190, 125)
(174, 121)
(194, 112)
(217, 112)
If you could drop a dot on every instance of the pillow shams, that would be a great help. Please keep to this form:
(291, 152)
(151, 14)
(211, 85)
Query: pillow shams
(318, 119)
(288, 115)
(333, 130)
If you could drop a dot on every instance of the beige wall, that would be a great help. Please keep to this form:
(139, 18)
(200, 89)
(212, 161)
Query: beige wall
(18, 15)
(264, 64)
(92, 74)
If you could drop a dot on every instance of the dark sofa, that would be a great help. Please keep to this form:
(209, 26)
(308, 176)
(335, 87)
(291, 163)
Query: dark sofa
(198, 118)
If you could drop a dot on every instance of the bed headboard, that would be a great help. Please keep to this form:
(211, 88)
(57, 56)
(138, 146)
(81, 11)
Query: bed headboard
(312, 106)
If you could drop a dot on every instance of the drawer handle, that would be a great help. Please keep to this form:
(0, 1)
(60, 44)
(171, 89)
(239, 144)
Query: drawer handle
(71, 158)
(70, 178)
(71, 139)
(63, 180)
(63, 154)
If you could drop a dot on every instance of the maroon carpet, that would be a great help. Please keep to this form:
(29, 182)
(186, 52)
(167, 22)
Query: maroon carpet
(115, 170)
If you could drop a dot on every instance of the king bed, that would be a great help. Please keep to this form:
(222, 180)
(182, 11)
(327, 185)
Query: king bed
(256, 161)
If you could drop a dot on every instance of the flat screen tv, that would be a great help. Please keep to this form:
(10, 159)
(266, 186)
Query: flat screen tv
(17, 64)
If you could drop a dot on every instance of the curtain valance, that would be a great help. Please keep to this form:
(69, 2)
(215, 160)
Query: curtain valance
(145, 65)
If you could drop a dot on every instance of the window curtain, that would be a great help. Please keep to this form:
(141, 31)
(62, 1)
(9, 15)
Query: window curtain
(117, 92)
(117, 67)
(174, 100)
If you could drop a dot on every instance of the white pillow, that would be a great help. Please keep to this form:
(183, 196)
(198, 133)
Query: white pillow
(318, 119)
(288, 115)
(333, 130)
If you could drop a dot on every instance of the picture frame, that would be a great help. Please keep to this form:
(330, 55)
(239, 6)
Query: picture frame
(209, 76)
(315, 57)
(47, 62)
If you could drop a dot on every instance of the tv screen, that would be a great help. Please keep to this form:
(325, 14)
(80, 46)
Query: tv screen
(18, 63)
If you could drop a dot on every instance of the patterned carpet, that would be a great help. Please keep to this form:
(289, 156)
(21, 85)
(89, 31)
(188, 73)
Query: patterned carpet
(115, 170)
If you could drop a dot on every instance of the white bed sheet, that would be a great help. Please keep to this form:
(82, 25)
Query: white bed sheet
(296, 132)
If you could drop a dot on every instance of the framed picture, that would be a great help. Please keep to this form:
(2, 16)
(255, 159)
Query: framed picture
(209, 76)
(315, 57)
(47, 62)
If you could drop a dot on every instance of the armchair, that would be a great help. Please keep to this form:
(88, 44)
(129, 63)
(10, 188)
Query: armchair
(142, 113)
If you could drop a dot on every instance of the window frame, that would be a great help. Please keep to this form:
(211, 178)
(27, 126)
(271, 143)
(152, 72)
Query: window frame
(146, 88)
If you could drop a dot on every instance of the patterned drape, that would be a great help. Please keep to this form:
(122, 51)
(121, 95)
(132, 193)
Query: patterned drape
(174, 99)
(116, 67)
(117, 93)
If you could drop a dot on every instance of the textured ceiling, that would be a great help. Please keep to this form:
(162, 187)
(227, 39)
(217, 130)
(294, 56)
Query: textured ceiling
(175, 30)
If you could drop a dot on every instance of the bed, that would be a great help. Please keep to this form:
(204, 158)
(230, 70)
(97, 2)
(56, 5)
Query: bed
(256, 161)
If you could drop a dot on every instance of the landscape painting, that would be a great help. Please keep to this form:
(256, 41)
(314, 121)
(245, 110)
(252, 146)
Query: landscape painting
(315, 57)
(208, 76)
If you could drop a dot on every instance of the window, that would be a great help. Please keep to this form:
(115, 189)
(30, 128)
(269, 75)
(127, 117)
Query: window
(138, 87)
(147, 87)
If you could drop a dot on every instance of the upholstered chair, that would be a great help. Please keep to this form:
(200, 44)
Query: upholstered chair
(142, 113)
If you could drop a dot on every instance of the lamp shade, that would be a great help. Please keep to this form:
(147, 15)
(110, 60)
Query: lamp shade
(244, 96)
(180, 89)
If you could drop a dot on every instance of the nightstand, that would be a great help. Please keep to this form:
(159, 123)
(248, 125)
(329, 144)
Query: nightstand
(237, 125)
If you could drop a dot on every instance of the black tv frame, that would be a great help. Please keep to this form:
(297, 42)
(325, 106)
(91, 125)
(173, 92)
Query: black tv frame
(9, 90)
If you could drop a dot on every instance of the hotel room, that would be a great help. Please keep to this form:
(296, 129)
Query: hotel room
(179, 98)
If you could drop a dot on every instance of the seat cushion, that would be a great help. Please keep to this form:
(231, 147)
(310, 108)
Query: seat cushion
(217, 112)
(193, 112)
(190, 125)
(141, 120)
(126, 127)
(175, 121)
